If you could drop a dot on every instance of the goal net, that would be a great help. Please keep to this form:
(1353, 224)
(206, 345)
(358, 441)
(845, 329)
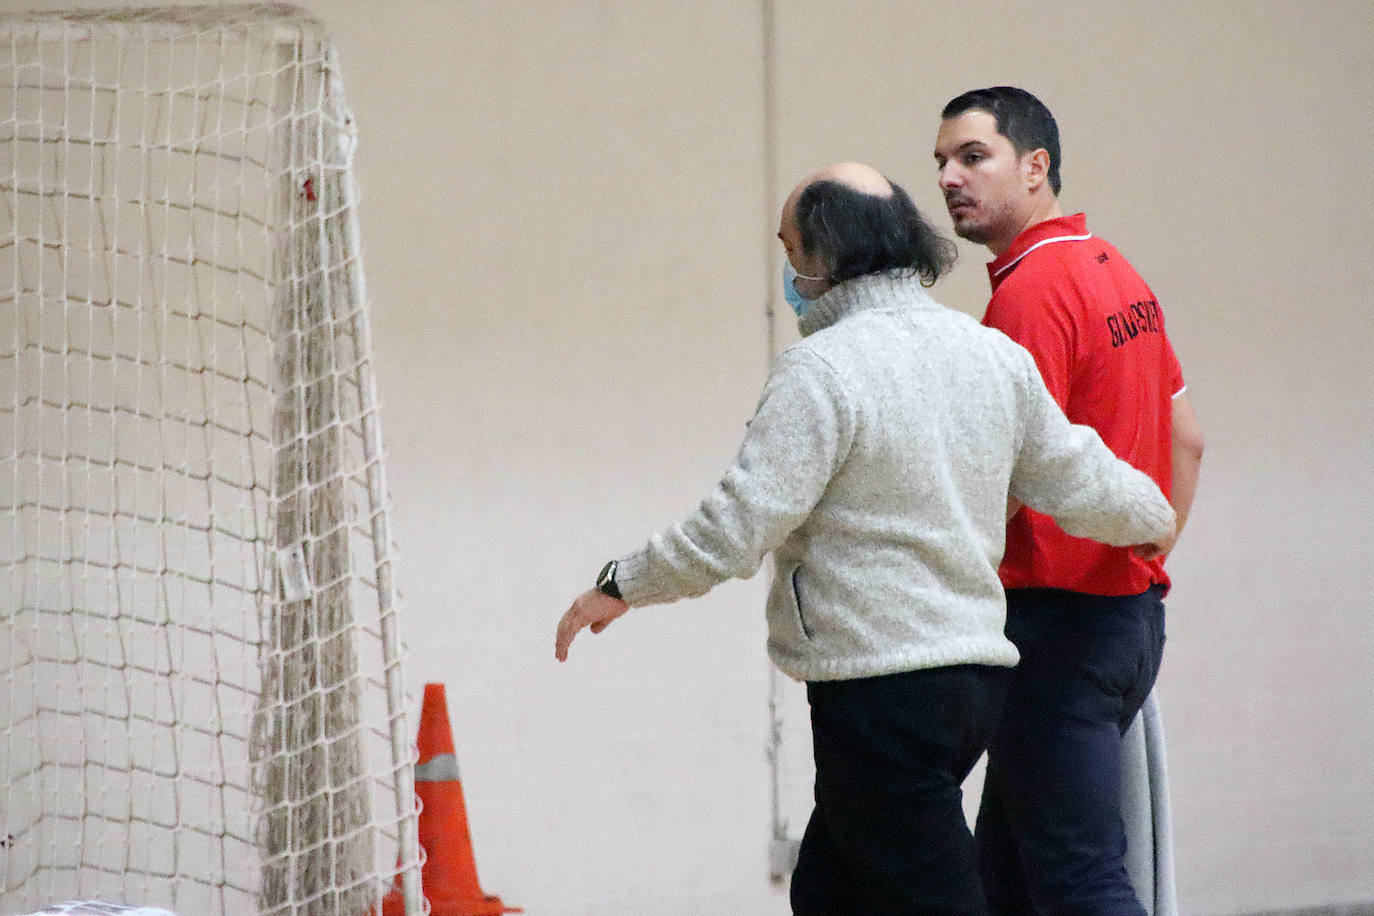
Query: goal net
(202, 705)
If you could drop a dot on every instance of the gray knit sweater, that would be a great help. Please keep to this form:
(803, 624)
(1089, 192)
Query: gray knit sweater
(877, 467)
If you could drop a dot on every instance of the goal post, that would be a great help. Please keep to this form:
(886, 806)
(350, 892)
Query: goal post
(204, 706)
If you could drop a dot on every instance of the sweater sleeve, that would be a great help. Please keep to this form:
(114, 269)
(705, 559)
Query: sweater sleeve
(799, 436)
(1065, 470)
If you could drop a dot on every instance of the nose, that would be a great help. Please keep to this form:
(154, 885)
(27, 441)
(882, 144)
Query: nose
(950, 176)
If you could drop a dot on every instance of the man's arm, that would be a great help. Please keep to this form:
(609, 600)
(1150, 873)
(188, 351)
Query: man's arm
(1187, 457)
(1064, 470)
(800, 434)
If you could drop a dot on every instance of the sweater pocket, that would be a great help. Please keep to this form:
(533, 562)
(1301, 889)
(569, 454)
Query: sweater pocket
(797, 601)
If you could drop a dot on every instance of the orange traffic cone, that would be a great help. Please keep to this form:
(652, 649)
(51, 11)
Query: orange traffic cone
(449, 875)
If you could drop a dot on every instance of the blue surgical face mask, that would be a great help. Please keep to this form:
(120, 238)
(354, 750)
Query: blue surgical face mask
(794, 297)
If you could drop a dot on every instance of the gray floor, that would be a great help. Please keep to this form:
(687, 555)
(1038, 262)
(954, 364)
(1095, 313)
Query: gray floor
(1343, 909)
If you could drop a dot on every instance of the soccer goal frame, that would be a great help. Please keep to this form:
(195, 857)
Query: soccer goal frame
(204, 702)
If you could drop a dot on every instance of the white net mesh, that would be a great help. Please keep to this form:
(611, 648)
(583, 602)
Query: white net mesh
(202, 706)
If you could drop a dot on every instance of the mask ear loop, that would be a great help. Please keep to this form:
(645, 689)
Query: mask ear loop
(825, 280)
(795, 300)
(790, 275)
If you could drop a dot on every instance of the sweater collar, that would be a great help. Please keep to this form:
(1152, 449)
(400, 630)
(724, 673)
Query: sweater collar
(892, 289)
(1060, 229)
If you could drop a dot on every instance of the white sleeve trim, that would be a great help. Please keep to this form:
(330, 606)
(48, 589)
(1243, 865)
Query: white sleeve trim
(1179, 391)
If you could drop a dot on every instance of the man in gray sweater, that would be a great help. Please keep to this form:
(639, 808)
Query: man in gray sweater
(877, 469)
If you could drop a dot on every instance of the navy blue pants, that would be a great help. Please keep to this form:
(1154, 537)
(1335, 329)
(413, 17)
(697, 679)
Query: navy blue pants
(888, 834)
(1050, 835)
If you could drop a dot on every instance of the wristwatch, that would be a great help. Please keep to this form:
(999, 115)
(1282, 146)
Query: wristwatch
(605, 581)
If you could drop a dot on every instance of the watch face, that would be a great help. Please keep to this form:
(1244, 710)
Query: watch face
(605, 582)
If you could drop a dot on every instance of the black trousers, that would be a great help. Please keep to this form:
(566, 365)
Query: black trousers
(1050, 834)
(888, 834)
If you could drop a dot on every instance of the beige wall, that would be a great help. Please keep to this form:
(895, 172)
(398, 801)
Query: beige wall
(567, 219)
(582, 307)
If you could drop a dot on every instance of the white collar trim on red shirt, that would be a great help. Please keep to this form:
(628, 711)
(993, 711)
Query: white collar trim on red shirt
(1058, 238)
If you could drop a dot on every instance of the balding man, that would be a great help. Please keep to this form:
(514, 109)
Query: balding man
(877, 468)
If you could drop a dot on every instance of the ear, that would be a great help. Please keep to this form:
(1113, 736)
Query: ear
(1037, 165)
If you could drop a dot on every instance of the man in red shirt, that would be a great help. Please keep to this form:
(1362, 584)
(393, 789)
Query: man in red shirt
(1088, 619)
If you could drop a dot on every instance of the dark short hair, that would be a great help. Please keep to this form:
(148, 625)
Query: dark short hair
(856, 233)
(1021, 118)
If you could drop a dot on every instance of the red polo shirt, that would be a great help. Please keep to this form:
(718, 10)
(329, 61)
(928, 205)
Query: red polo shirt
(1097, 333)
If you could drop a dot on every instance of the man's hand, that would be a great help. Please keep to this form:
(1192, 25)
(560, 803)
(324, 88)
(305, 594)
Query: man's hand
(593, 608)
(1158, 547)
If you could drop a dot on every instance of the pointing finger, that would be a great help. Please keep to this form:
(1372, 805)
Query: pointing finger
(567, 629)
